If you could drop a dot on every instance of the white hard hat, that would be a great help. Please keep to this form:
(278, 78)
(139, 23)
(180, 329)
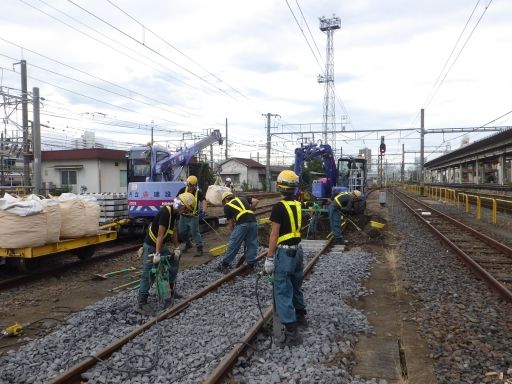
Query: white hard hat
(228, 179)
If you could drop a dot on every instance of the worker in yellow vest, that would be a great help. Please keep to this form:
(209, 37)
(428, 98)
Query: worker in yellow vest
(244, 228)
(162, 241)
(285, 259)
(341, 203)
(188, 225)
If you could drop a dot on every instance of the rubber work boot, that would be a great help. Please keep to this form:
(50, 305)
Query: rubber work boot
(174, 293)
(223, 267)
(199, 252)
(301, 320)
(291, 336)
(188, 245)
(143, 307)
(249, 269)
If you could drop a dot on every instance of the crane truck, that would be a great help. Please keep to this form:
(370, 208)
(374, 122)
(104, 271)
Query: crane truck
(154, 177)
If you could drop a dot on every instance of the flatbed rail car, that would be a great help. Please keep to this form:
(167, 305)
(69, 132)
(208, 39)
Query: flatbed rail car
(82, 247)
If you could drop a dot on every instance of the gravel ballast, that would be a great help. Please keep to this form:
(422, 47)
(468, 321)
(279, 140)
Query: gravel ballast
(467, 326)
(187, 347)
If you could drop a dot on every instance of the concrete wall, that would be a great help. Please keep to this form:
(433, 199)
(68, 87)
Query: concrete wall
(240, 174)
(97, 175)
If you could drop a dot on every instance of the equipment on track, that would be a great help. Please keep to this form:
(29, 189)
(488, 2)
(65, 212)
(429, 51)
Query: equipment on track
(154, 176)
(14, 330)
(113, 273)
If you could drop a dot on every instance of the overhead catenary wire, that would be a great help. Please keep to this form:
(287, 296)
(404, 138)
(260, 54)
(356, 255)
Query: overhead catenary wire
(438, 83)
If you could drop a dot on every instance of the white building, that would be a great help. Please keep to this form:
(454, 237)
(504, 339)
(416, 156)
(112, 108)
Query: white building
(244, 172)
(93, 170)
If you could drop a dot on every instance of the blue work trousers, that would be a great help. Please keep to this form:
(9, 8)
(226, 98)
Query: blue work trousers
(288, 272)
(146, 280)
(335, 221)
(247, 232)
(188, 228)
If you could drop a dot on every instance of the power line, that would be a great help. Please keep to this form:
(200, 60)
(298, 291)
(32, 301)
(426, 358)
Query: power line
(151, 49)
(149, 63)
(435, 89)
(176, 49)
(96, 86)
(303, 34)
(90, 97)
(309, 30)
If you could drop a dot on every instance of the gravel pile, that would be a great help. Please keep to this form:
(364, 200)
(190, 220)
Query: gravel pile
(467, 326)
(186, 348)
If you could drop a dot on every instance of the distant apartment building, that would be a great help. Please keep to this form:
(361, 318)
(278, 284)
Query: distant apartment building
(367, 154)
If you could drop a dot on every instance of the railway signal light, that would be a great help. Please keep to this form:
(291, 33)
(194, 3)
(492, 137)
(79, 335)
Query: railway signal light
(382, 148)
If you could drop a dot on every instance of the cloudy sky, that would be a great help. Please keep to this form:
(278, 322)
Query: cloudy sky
(116, 68)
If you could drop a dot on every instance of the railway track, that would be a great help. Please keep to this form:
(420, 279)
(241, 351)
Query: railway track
(104, 253)
(223, 290)
(488, 258)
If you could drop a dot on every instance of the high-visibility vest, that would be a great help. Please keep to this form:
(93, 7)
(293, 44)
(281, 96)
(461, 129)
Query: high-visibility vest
(336, 199)
(169, 231)
(194, 212)
(241, 209)
(295, 227)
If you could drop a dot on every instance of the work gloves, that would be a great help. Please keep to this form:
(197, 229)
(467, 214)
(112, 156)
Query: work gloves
(155, 257)
(202, 215)
(268, 267)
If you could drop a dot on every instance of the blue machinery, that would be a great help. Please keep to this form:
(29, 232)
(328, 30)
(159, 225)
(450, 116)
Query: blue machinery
(348, 175)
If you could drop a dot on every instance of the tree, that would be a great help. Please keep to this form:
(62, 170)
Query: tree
(311, 170)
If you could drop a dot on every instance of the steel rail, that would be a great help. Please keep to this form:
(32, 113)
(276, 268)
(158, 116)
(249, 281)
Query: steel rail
(489, 240)
(74, 372)
(218, 373)
(474, 266)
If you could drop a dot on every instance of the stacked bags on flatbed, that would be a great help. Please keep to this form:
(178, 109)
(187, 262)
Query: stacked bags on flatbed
(31, 221)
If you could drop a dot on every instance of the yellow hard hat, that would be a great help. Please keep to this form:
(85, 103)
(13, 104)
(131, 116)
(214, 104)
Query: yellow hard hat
(226, 194)
(188, 200)
(192, 180)
(287, 181)
(356, 193)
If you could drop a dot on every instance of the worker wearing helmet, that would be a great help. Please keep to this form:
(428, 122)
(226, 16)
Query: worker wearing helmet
(285, 259)
(341, 203)
(244, 228)
(162, 241)
(229, 183)
(188, 225)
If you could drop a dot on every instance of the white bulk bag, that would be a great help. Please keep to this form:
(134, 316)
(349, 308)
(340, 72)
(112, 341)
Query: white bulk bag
(79, 214)
(23, 222)
(214, 194)
(53, 220)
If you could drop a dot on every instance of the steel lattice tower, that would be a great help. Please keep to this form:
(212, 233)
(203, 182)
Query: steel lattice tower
(329, 26)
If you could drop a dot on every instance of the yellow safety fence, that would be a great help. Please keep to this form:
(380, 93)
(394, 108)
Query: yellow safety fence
(449, 195)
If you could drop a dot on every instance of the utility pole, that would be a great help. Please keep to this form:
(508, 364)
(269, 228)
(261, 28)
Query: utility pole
(36, 140)
(269, 139)
(211, 154)
(24, 117)
(226, 139)
(422, 152)
(402, 169)
(329, 26)
(152, 128)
